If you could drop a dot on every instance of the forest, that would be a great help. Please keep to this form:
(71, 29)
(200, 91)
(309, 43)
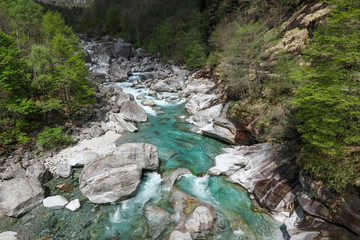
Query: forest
(307, 98)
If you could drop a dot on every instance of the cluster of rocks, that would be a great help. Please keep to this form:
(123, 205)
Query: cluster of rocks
(272, 177)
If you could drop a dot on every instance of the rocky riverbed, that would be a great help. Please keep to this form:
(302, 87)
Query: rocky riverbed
(140, 170)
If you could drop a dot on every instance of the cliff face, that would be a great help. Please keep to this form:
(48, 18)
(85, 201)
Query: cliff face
(67, 3)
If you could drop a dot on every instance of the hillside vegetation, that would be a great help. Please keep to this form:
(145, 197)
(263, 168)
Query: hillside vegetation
(42, 71)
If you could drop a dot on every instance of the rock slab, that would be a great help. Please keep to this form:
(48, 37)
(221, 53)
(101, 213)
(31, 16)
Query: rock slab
(110, 179)
(146, 155)
(20, 195)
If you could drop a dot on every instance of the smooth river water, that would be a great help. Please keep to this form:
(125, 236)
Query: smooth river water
(177, 147)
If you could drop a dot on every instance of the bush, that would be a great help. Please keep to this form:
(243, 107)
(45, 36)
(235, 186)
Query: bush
(195, 54)
(50, 138)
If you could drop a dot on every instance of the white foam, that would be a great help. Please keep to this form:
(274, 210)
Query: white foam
(151, 190)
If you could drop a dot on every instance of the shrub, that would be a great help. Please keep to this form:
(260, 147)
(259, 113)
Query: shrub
(50, 138)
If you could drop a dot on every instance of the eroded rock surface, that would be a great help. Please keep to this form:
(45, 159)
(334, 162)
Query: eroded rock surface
(110, 179)
(20, 195)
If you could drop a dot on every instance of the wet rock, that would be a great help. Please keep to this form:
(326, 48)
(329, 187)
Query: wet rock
(9, 235)
(177, 235)
(220, 129)
(38, 170)
(200, 102)
(73, 205)
(110, 179)
(55, 202)
(96, 131)
(79, 159)
(64, 170)
(174, 175)
(157, 219)
(133, 112)
(148, 103)
(201, 220)
(118, 72)
(20, 195)
(270, 174)
(146, 155)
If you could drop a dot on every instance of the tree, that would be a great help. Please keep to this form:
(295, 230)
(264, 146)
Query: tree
(329, 98)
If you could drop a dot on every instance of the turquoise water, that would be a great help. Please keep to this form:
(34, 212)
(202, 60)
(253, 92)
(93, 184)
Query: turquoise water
(177, 147)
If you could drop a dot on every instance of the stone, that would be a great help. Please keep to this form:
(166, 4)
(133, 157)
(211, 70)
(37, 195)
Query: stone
(148, 103)
(96, 131)
(177, 235)
(110, 179)
(79, 159)
(120, 124)
(55, 202)
(201, 219)
(64, 170)
(73, 205)
(19, 195)
(146, 155)
(228, 164)
(38, 170)
(157, 219)
(171, 84)
(13, 171)
(140, 96)
(269, 173)
(151, 93)
(9, 235)
(195, 86)
(122, 97)
(206, 116)
(200, 102)
(220, 129)
(131, 111)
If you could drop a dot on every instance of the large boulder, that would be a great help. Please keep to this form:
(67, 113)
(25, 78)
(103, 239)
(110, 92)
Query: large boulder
(131, 111)
(20, 195)
(171, 84)
(38, 170)
(201, 101)
(221, 129)
(157, 220)
(206, 116)
(146, 155)
(110, 179)
(122, 97)
(198, 86)
(265, 171)
(201, 220)
(79, 159)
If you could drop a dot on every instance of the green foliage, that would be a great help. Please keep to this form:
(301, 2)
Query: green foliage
(328, 98)
(51, 138)
(41, 69)
(195, 54)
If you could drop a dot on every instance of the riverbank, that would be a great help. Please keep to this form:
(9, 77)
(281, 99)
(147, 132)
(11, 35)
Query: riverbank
(141, 100)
